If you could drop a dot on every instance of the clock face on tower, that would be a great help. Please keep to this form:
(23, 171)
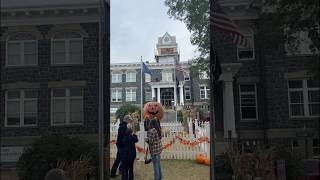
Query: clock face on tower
(166, 40)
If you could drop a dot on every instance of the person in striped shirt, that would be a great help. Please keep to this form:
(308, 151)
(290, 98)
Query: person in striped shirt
(155, 147)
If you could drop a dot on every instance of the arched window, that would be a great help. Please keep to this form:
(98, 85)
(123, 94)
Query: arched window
(67, 48)
(247, 53)
(22, 50)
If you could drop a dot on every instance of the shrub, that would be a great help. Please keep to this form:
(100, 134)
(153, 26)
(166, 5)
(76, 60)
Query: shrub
(202, 113)
(127, 109)
(180, 116)
(77, 170)
(45, 152)
(260, 163)
(294, 168)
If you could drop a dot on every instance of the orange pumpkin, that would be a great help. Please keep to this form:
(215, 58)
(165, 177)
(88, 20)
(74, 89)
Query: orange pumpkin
(152, 110)
(207, 161)
(200, 158)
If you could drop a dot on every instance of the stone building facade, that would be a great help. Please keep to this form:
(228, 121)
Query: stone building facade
(269, 95)
(49, 71)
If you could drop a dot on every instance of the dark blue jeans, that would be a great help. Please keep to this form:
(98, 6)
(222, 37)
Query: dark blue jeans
(156, 167)
(116, 164)
(127, 168)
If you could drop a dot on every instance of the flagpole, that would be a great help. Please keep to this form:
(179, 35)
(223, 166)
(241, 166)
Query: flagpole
(175, 85)
(141, 90)
(142, 130)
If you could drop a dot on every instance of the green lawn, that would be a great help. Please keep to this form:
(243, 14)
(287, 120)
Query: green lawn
(171, 170)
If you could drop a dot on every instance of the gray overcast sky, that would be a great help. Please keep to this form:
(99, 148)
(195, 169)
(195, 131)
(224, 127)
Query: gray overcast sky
(136, 26)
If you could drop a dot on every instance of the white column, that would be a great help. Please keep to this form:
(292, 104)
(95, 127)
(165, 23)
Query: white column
(181, 95)
(190, 127)
(175, 95)
(158, 98)
(228, 109)
(153, 93)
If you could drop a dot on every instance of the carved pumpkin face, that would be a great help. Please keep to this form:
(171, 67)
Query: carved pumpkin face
(152, 110)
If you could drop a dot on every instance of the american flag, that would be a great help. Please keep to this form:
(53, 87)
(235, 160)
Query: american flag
(220, 20)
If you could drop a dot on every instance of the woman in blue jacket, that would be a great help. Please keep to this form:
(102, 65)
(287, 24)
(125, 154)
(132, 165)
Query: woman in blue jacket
(121, 133)
(128, 154)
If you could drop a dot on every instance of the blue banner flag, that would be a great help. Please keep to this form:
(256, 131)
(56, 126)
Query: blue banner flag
(146, 69)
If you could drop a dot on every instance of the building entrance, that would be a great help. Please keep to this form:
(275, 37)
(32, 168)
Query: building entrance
(167, 97)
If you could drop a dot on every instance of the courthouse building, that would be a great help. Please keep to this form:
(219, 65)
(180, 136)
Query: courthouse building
(268, 95)
(166, 83)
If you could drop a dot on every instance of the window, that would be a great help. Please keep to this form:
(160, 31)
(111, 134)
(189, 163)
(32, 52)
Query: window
(206, 107)
(203, 75)
(22, 50)
(67, 48)
(21, 108)
(304, 98)
(116, 95)
(166, 39)
(67, 106)
(316, 148)
(187, 93)
(116, 77)
(166, 75)
(148, 95)
(186, 76)
(247, 53)
(147, 78)
(131, 76)
(204, 92)
(248, 102)
(130, 94)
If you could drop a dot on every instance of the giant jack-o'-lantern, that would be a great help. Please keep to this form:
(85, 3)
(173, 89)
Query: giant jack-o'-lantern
(152, 110)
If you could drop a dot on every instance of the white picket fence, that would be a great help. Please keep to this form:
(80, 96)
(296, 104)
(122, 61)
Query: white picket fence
(170, 132)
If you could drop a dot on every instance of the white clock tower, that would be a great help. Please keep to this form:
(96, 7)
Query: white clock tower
(167, 49)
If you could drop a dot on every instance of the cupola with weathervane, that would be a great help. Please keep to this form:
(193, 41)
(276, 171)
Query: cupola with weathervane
(167, 49)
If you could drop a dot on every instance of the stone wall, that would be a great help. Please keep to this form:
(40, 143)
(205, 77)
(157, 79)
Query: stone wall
(44, 73)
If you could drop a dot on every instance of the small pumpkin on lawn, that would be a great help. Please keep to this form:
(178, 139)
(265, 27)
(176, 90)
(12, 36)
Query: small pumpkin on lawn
(207, 161)
(200, 158)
